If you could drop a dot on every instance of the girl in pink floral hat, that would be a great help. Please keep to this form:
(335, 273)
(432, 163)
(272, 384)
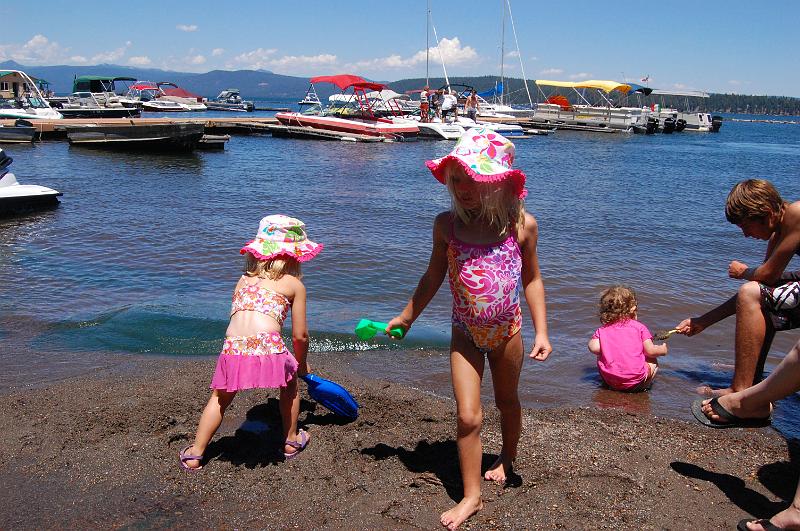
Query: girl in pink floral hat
(253, 353)
(486, 246)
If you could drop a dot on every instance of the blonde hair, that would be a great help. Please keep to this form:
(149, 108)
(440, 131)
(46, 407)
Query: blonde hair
(273, 269)
(753, 199)
(500, 205)
(617, 303)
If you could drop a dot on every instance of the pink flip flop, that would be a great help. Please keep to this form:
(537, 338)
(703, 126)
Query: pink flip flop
(185, 457)
(298, 446)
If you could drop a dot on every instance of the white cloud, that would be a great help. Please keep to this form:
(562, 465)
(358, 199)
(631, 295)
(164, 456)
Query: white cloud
(581, 75)
(111, 56)
(38, 50)
(140, 60)
(735, 82)
(512, 53)
(449, 50)
(78, 59)
(551, 71)
(216, 52)
(197, 60)
(187, 27)
(265, 59)
(679, 86)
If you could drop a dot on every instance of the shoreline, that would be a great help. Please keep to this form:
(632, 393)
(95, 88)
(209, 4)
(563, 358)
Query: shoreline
(101, 451)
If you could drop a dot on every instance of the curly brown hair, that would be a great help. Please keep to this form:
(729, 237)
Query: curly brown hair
(617, 303)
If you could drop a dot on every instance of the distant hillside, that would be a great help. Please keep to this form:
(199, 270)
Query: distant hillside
(265, 84)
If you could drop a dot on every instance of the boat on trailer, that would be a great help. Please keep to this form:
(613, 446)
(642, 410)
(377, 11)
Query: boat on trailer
(355, 116)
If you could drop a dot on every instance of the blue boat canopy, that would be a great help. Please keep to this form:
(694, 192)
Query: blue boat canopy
(497, 90)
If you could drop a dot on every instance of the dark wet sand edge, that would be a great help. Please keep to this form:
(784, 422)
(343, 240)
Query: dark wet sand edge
(101, 450)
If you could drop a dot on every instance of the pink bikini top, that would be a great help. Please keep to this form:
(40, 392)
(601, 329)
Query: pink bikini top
(255, 298)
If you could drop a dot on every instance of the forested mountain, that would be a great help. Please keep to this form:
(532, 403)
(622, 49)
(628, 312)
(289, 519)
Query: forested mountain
(265, 84)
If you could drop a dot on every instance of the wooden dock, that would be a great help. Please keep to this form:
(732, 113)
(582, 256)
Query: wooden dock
(57, 129)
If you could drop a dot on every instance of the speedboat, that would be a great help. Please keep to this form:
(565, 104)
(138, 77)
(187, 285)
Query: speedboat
(172, 92)
(353, 114)
(230, 100)
(86, 105)
(17, 198)
(150, 96)
(20, 97)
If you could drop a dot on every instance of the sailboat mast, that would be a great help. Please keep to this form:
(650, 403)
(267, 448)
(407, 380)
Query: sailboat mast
(427, 42)
(502, 52)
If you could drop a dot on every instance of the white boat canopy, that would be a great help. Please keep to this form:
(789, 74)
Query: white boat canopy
(606, 86)
(687, 93)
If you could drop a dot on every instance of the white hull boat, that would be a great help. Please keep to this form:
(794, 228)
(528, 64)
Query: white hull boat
(20, 98)
(20, 198)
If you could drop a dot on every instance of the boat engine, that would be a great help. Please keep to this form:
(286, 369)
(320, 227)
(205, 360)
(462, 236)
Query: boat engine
(680, 125)
(669, 126)
(716, 123)
(652, 125)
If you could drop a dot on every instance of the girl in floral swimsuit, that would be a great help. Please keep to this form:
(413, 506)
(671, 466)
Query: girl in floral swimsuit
(486, 246)
(253, 353)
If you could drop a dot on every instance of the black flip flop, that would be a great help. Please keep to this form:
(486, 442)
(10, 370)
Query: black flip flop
(731, 420)
(765, 523)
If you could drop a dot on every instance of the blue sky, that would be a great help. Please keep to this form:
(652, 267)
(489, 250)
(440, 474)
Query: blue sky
(718, 46)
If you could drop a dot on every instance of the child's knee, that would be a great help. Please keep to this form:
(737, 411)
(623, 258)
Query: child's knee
(470, 420)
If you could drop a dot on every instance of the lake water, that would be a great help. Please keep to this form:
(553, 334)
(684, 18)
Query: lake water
(141, 256)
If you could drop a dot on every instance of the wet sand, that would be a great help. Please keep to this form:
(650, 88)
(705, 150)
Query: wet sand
(101, 451)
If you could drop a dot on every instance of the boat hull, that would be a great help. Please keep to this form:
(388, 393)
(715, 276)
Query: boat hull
(102, 112)
(150, 137)
(385, 129)
(17, 134)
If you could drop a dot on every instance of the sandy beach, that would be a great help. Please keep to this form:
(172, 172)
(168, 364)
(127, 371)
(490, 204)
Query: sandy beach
(101, 451)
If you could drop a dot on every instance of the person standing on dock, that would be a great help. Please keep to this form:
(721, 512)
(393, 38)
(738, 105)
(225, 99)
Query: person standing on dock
(471, 106)
(424, 105)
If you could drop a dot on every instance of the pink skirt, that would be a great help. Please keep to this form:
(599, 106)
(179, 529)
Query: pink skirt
(247, 362)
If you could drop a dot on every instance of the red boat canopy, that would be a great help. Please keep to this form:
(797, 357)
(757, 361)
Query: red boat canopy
(344, 81)
(181, 93)
(144, 85)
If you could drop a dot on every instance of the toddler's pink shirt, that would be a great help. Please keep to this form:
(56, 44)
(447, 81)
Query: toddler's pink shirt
(622, 361)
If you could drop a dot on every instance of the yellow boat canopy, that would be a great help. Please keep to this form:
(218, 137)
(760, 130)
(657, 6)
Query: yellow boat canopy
(607, 86)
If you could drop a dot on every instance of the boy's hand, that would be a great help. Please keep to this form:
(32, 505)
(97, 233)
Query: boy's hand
(541, 349)
(689, 327)
(736, 269)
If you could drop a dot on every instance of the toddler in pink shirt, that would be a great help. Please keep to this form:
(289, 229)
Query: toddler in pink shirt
(626, 354)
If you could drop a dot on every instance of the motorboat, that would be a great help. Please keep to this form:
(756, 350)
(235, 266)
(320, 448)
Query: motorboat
(693, 120)
(150, 96)
(21, 131)
(172, 92)
(230, 100)
(87, 105)
(311, 99)
(558, 110)
(20, 97)
(20, 198)
(399, 108)
(355, 114)
(170, 137)
(108, 91)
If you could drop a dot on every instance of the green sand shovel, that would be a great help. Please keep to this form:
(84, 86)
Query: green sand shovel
(366, 329)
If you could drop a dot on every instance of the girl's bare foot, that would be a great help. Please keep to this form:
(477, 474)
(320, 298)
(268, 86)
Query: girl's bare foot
(500, 470)
(789, 518)
(733, 404)
(458, 515)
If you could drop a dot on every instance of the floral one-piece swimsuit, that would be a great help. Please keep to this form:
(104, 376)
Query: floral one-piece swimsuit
(485, 281)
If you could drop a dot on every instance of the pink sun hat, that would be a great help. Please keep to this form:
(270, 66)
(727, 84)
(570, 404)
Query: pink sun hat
(280, 235)
(486, 156)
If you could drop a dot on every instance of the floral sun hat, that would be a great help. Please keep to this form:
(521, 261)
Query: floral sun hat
(280, 235)
(486, 156)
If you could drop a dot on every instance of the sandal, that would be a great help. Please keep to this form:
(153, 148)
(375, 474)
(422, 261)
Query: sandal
(186, 457)
(298, 446)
